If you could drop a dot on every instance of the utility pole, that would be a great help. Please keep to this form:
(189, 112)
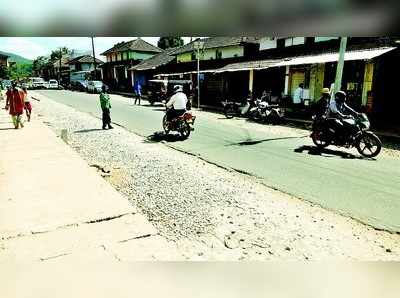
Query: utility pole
(339, 69)
(59, 69)
(198, 44)
(94, 60)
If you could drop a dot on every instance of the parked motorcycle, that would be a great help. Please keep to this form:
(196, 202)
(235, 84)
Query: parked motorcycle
(266, 113)
(232, 109)
(182, 124)
(357, 134)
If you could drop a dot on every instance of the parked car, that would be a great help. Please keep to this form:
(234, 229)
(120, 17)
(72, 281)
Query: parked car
(36, 83)
(79, 85)
(52, 84)
(94, 86)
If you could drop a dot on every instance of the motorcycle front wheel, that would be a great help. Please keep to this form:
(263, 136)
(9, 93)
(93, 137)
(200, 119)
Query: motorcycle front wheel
(369, 145)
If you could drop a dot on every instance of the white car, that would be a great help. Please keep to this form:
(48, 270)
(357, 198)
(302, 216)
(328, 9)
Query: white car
(94, 86)
(52, 84)
(37, 83)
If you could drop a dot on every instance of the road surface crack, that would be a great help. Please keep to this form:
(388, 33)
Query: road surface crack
(20, 235)
(53, 257)
(137, 237)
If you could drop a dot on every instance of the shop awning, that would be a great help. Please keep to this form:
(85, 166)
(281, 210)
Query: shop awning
(186, 72)
(332, 57)
(169, 74)
(242, 66)
(311, 59)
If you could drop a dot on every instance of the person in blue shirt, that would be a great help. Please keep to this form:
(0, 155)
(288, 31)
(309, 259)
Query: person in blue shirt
(138, 92)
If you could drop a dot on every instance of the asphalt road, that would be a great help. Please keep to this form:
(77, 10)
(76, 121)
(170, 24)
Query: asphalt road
(367, 190)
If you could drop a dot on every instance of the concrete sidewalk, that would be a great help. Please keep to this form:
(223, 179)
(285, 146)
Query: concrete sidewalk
(54, 206)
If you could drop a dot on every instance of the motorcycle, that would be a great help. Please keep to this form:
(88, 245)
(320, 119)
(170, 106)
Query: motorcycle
(232, 109)
(266, 113)
(182, 124)
(357, 134)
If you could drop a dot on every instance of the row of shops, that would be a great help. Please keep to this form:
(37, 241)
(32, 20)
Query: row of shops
(368, 76)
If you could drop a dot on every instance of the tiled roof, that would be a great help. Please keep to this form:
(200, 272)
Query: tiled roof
(156, 61)
(216, 42)
(84, 59)
(134, 45)
(64, 62)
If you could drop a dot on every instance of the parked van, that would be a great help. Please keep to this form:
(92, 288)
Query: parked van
(36, 83)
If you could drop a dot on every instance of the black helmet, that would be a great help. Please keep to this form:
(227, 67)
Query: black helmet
(340, 95)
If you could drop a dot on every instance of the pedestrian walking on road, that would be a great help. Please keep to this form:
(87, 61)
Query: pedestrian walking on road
(138, 92)
(105, 107)
(28, 106)
(15, 104)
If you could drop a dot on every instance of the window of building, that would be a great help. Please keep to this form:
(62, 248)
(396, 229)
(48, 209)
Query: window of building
(193, 56)
(218, 54)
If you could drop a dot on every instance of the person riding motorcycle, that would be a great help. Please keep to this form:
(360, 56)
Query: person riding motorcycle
(322, 104)
(339, 113)
(176, 106)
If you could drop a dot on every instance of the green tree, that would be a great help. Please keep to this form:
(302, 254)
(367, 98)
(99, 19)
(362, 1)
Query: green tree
(56, 54)
(39, 64)
(170, 42)
(19, 71)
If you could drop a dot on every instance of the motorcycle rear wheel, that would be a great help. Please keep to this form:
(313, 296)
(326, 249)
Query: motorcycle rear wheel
(316, 138)
(184, 130)
(369, 145)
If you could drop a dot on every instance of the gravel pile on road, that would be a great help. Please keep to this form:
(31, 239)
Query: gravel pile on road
(209, 212)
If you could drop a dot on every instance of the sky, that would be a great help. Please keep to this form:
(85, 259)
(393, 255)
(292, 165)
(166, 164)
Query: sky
(32, 47)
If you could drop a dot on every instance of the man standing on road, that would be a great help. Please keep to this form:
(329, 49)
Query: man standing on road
(15, 103)
(105, 107)
(138, 92)
(298, 96)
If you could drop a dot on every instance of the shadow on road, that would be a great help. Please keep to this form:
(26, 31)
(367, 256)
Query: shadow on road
(7, 128)
(160, 136)
(88, 130)
(313, 150)
(255, 142)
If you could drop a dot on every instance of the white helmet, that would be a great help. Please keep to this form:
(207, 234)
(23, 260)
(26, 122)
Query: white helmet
(178, 88)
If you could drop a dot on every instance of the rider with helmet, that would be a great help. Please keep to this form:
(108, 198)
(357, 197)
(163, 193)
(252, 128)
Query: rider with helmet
(338, 107)
(339, 112)
(176, 106)
(322, 104)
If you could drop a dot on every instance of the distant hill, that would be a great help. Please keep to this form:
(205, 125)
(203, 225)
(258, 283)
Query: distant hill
(16, 58)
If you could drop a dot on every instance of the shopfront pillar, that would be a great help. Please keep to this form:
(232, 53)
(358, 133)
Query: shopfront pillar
(251, 80)
(367, 83)
(287, 73)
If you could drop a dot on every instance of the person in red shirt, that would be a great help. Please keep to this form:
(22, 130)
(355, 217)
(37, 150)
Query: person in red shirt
(15, 104)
